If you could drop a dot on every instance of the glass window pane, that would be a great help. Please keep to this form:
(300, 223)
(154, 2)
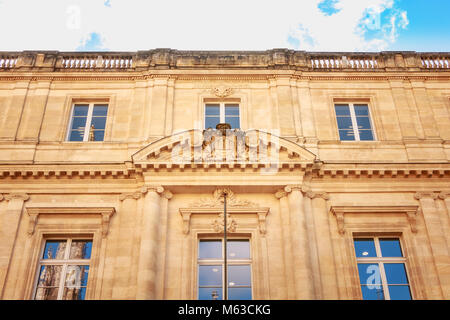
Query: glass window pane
(74, 294)
(210, 275)
(233, 121)
(238, 249)
(212, 110)
(210, 249)
(211, 122)
(98, 122)
(342, 110)
(361, 110)
(346, 135)
(344, 123)
(363, 123)
(239, 275)
(49, 276)
(100, 110)
(209, 293)
(395, 273)
(364, 248)
(76, 135)
(399, 293)
(46, 294)
(54, 249)
(80, 110)
(369, 274)
(240, 293)
(80, 249)
(232, 110)
(390, 248)
(366, 135)
(99, 135)
(76, 276)
(78, 123)
(372, 293)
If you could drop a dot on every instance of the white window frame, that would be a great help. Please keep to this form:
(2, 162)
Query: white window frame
(221, 111)
(354, 122)
(380, 261)
(65, 262)
(87, 128)
(221, 262)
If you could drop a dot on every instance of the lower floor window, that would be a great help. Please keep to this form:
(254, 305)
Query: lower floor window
(63, 270)
(382, 269)
(211, 270)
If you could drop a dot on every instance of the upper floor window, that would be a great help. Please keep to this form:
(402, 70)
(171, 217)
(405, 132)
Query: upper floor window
(87, 122)
(354, 123)
(63, 270)
(216, 113)
(211, 265)
(381, 268)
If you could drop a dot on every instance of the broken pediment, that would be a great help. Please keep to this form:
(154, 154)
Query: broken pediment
(216, 148)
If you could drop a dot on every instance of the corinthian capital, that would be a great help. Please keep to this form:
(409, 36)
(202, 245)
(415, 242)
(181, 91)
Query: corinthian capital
(280, 194)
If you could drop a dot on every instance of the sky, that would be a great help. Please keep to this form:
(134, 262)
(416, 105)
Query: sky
(310, 25)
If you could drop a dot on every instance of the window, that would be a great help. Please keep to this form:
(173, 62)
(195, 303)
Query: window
(63, 270)
(216, 113)
(351, 116)
(87, 122)
(381, 268)
(211, 266)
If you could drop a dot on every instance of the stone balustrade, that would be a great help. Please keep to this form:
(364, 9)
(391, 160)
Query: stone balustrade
(270, 59)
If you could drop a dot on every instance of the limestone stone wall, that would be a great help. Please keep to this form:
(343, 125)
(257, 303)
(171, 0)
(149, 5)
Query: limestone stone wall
(145, 212)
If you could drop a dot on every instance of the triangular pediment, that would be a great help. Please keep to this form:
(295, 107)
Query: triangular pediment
(219, 148)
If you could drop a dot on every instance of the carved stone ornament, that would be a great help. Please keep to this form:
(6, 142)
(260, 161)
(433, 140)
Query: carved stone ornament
(222, 91)
(218, 199)
(218, 224)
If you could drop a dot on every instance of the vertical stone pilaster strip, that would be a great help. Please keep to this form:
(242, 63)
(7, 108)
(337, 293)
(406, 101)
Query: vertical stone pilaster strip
(440, 253)
(146, 282)
(312, 245)
(326, 258)
(304, 286)
(9, 223)
(160, 276)
(123, 260)
(287, 247)
(444, 215)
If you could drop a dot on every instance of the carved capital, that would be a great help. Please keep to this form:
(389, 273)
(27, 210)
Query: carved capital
(293, 187)
(1, 197)
(167, 194)
(17, 196)
(150, 188)
(322, 195)
(130, 195)
(280, 194)
(422, 195)
(444, 195)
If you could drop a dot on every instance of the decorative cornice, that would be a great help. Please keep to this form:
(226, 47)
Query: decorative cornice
(423, 195)
(17, 196)
(261, 212)
(410, 211)
(105, 212)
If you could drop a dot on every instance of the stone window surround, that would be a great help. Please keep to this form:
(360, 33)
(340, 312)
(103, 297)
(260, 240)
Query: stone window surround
(71, 100)
(39, 232)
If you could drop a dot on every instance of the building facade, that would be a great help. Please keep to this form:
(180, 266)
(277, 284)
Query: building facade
(114, 173)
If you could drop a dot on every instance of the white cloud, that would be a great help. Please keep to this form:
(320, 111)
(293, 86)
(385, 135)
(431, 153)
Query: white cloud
(128, 25)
